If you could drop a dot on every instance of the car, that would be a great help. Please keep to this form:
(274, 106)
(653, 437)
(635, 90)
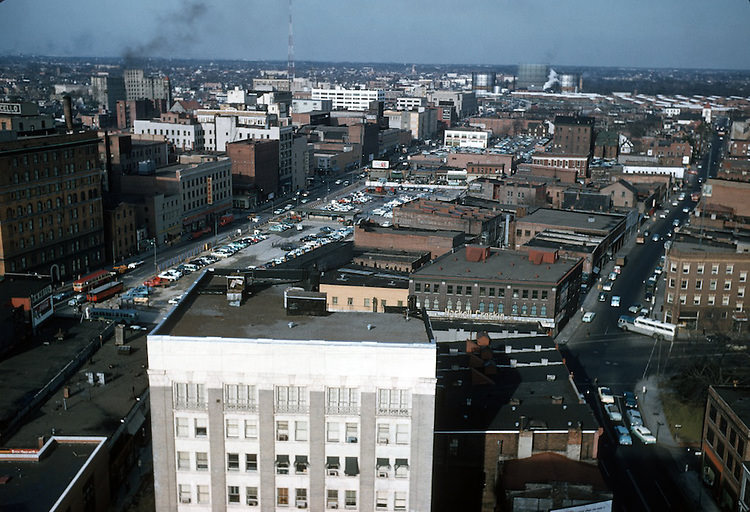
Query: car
(676, 222)
(78, 299)
(645, 233)
(623, 436)
(617, 270)
(588, 317)
(675, 203)
(175, 300)
(135, 264)
(613, 276)
(605, 395)
(288, 207)
(663, 215)
(60, 296)
(658, 270)
(643, 434)
(634, 417)
(607, 286)
(685, 210)
(649, 297)
(615, 301)
(138, 328)
(602, 297)
(644, 311)
(635, 308)
(629, 399)
(655, 238)
(278, 211)
(613, 412)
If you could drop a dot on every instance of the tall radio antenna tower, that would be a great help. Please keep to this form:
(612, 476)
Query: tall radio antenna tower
(290, 55)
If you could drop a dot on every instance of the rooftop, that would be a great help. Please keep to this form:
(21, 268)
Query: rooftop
(574, 219)
(37, 484)
(262, 316)
(362, 276)
(500, 265)
(393, 230)
(737, 399)
(508, 384)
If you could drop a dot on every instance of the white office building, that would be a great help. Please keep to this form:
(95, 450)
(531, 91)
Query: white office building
(349, 99)
(466, 138)
(185, 137)
(254, 409)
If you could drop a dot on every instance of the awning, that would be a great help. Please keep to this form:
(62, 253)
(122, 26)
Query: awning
(332, 462)
(739, 316)
(402, 463)
(383, 463)
(351, 467)
(301, 461)
(282, 460)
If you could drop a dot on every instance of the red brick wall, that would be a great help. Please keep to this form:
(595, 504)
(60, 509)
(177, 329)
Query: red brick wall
(405, 241)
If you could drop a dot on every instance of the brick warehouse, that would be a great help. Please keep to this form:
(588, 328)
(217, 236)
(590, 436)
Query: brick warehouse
(373, 236)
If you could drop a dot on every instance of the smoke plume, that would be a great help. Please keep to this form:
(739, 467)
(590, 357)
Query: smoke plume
(551, 80)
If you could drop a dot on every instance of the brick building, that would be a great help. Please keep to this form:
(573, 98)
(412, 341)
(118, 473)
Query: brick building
(565, 175)
(501, 400)
(481, 223)
(510, 191)
(734, 169)
(255, 166)
(120, 232)
(556, 160)
(479, 283)
(436, 242)
(622, 194)
(512, 125)
(705, 288)
(725, 444)
(724, 205)
(739, 139)
(51, 219)
(574, 135)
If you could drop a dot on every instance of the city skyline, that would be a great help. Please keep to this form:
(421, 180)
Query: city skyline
(670, 34)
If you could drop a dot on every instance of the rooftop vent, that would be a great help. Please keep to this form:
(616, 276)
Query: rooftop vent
(591, 220)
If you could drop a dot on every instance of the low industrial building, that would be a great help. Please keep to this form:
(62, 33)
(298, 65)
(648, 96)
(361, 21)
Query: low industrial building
(484, 284)
(368, 235)
(364, 290)
(482, 224)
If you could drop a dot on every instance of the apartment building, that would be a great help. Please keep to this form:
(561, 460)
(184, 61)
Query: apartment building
(259, 410)
(725, 444)
(349, 99)
(51, 219)
(479, 283)
(705, 289)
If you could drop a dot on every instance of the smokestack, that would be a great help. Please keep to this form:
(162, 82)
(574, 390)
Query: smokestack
(68, 111)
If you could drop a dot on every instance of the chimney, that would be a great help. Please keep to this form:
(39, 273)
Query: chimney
(68, 112)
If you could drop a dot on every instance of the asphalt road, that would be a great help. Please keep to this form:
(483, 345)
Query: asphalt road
(643, 477)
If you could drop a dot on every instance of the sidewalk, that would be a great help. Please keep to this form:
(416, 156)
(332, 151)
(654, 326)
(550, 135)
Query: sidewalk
(686, 465)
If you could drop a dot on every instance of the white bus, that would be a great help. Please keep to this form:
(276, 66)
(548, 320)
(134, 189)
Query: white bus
(647, 326)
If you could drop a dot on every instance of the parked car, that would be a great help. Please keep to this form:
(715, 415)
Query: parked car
(655, 238)
(607, 286)
(630, 401)
(588, 317)
(605, 395)
(613, 276)
(623, 436)
(175, 300)
(615, 302)
(613, 412)
(78, 299)
(135, 264)
(643, 434)
(602, 297)
(635, 308)
(634, 417)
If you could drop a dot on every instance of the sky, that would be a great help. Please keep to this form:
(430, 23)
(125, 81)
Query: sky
(632, 33)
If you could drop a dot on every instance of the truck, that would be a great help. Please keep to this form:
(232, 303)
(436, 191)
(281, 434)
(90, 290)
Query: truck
(621, 260)
(225, 220)
(640, 239)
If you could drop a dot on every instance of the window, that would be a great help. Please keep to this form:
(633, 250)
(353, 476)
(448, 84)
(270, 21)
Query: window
(515, 293)
(743, 277)
(383, 433)
(714, 269)
(233, 461)
(711, 300)
(239, 396)
(729, 269)
(728, 284)
(291, 399)
(332, 498)
(393, 402)
(334, 300)
(712, 284)
(399, 501)
(725, 300)
(739, 305)
(698, 284)
(282, 497)
(351, 466)
(332, 432)
(417, 287)
(684, 284)
(300, 499)
(696, 300)
(251, 462)
(201, 461)
(282, 431)
(351, 432)
(683, 299)
(183, 460)
(189, 395)
(700, 268)
(342, 401)
(350, 301)
(251, 496)
(686, 268)
(524, 294)
(402, 433)
(671, 282)
(381, 500)
(741, 291)
(182, 428)
(201, 427)
(233, 428)
(712, 413)
(202, 494)
(670, 298)
(184, 493)
(544, 294)
(723, 425)
(251, 429)
(350, 499)
(710, 436)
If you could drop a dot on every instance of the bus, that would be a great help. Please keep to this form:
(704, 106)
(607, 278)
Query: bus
(123, 316)
(91, 281)
(648, 326)
(104, 292)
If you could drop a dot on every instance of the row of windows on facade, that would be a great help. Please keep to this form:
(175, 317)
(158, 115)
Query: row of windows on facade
(294, 430)
(20, 210)
(726, 442)
(40, 223)
(712, 284)
(700, 269)
(484, 307)
(198, 461)
(46, 156)
(366, 302)
(481, 291)
(335, 498)
(77, 264)
(73, 229)
(45, 172)
(710, 301)
(339, 400)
